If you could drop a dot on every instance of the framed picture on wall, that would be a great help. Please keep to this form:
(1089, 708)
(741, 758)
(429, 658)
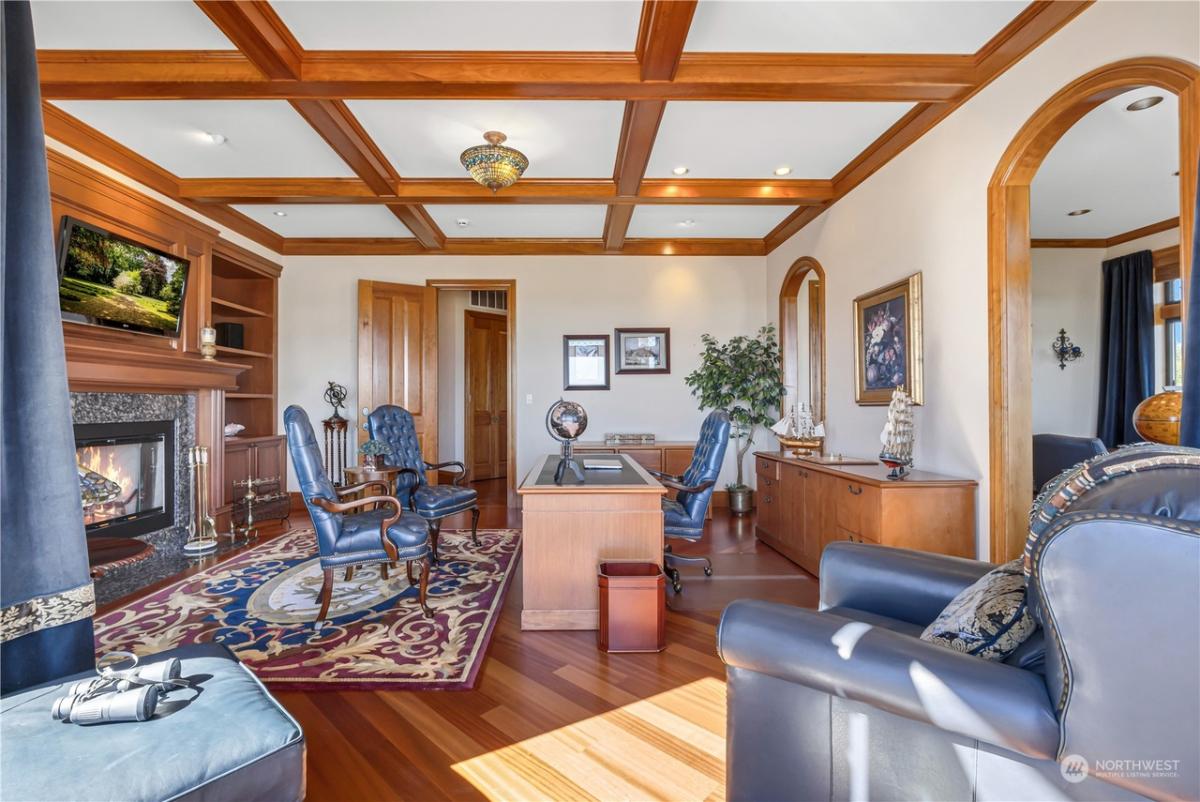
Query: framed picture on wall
(643, 350)
(887, 343)
(585, 361)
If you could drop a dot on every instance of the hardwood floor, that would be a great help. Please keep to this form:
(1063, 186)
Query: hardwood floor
(552, 717)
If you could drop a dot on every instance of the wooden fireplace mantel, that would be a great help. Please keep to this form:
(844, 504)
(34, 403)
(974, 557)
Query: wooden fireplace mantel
(103, 368)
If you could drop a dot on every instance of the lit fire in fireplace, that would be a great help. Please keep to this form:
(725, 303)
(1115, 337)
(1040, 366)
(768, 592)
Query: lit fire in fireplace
(105, 461)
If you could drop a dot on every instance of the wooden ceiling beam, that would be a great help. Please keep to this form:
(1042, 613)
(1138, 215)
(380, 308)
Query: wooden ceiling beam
(471, 246)
(1106, 242)
(616, 226)
(418, 221)
(662, 32)
(214, 75)
(258, 32)
(786, 192)
(1037, 22)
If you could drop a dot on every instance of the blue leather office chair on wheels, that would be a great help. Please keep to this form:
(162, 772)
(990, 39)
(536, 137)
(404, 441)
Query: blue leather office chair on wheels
(377, 534)
(683, 516)
(393, 426)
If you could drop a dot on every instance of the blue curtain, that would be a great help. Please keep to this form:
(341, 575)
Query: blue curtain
(1189, 432)
(45, 590)
(1127, 345)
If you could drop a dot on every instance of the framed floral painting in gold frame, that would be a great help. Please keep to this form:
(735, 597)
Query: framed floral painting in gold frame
(887, 343)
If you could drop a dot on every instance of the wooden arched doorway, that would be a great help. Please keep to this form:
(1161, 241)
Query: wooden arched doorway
(1009, 297)
(790, 337)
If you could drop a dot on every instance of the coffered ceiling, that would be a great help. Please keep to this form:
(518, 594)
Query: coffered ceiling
(339, 124)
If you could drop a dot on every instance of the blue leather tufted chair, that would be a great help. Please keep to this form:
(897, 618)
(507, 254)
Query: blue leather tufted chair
(394, 426)
(683, 516)
(374, 535)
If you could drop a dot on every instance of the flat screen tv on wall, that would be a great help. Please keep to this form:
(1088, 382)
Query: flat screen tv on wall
(108, 280)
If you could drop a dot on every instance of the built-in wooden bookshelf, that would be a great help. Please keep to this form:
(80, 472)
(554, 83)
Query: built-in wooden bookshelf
(245, 292)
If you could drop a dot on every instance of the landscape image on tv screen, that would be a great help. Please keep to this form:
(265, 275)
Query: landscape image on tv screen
(111, 281)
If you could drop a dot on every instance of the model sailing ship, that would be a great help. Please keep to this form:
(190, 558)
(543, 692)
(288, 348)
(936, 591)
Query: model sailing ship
(798, 432)
(897, 435)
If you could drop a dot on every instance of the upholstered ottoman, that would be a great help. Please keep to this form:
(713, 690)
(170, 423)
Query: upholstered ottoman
(233, 741)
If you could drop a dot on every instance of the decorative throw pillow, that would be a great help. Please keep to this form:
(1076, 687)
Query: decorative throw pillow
(990, 619)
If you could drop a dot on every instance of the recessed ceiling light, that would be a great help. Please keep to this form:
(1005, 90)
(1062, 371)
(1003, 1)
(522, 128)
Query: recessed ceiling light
(681, 170)
(279, 214)
(687, 223)
(1144, 103)
(1079, 212)
(216, 139)
(783, 171)
(462, 222)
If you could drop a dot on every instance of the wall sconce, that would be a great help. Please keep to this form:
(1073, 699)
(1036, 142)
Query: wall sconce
(1065, 350)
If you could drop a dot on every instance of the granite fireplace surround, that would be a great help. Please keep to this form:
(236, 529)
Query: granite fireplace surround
(168, 557)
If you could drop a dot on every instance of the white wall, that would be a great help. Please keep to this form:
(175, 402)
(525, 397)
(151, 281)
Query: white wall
(451, 373)
(1067, 288)
(1068, 292)
(555, 295)
(927, 210)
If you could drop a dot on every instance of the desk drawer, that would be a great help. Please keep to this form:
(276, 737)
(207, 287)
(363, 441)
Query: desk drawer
(766, 467)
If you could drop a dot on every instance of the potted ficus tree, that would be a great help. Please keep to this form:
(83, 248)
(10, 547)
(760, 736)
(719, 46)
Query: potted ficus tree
(741, 377)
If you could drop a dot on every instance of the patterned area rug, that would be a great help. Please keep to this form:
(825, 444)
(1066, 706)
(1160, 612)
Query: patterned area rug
(262, 604)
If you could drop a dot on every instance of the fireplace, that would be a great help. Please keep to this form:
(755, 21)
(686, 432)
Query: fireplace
(126, 476)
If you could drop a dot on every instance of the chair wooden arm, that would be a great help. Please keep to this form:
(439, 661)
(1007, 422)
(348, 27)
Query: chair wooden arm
(339, 507)
(676, 482)
(462, 470)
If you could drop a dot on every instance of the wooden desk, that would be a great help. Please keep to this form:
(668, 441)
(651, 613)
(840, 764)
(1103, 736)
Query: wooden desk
(668, 456)
(570, 528)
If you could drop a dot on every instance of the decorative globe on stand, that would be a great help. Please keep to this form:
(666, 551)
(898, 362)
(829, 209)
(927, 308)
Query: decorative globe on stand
(1157, 417)
(566, 421)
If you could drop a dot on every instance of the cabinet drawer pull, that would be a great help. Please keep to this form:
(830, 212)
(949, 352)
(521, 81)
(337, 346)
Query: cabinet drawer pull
(854, 492)
(767, 499)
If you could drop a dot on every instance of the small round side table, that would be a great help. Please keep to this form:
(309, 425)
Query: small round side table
(356, 475)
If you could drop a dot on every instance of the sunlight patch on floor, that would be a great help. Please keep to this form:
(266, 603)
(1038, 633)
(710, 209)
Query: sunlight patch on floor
(670, 746)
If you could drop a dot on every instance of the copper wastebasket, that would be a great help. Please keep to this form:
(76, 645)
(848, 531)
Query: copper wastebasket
(632, 607)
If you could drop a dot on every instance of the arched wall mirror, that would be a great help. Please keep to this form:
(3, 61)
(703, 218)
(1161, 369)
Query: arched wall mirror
(802, 335)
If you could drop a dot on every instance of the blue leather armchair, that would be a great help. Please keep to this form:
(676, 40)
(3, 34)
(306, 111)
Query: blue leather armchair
(394, 426)
(683, 516)
(848, 702)
(353, 533)
(1054, 453)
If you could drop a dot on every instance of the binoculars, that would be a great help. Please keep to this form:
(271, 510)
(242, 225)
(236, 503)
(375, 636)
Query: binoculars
(128, 695)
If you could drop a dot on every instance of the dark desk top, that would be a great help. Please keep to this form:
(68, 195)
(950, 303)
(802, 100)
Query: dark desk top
(631, 477)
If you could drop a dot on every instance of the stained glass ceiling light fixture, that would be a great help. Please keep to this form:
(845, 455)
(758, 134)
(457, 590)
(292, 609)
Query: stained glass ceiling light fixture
(493, 165)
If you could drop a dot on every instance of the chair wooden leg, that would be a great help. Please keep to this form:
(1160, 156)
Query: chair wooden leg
(475, 525)
(326, 594)
(426, 570)
(383, 571)
(349, 572)
(408, 569)
(435, 529)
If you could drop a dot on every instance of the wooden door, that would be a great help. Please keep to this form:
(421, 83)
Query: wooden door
(269, 460)
(486, 377)
(397, 356)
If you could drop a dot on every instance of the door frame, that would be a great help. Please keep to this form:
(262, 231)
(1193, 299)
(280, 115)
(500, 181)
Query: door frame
(510, 287)
(1009, 294)
(468, 424)
(789, 337)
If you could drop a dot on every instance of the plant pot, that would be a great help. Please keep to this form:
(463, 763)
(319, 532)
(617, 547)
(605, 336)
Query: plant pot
(370, 461)
(741, 500)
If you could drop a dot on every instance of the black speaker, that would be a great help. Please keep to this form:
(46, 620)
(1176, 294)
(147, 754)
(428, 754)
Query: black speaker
(230, 335)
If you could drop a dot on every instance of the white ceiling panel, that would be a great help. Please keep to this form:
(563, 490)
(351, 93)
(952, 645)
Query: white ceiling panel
(462, 25)
(519, 220)
(671, 221)
(894, 26)
(328, 220)
(715, 139)
(1118, 163)
(124, 25)
(562, 138)
(263, 138)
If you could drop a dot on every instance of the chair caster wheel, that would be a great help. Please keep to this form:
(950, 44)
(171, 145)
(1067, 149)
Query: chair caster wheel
(677, 587)
(708, 570)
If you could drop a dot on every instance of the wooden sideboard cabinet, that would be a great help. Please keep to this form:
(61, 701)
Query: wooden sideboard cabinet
(803, 506)
(253, 458)
(669, 456)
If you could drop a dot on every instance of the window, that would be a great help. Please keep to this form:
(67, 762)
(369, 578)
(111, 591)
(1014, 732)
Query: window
(1173, 291)
(1174, 332)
